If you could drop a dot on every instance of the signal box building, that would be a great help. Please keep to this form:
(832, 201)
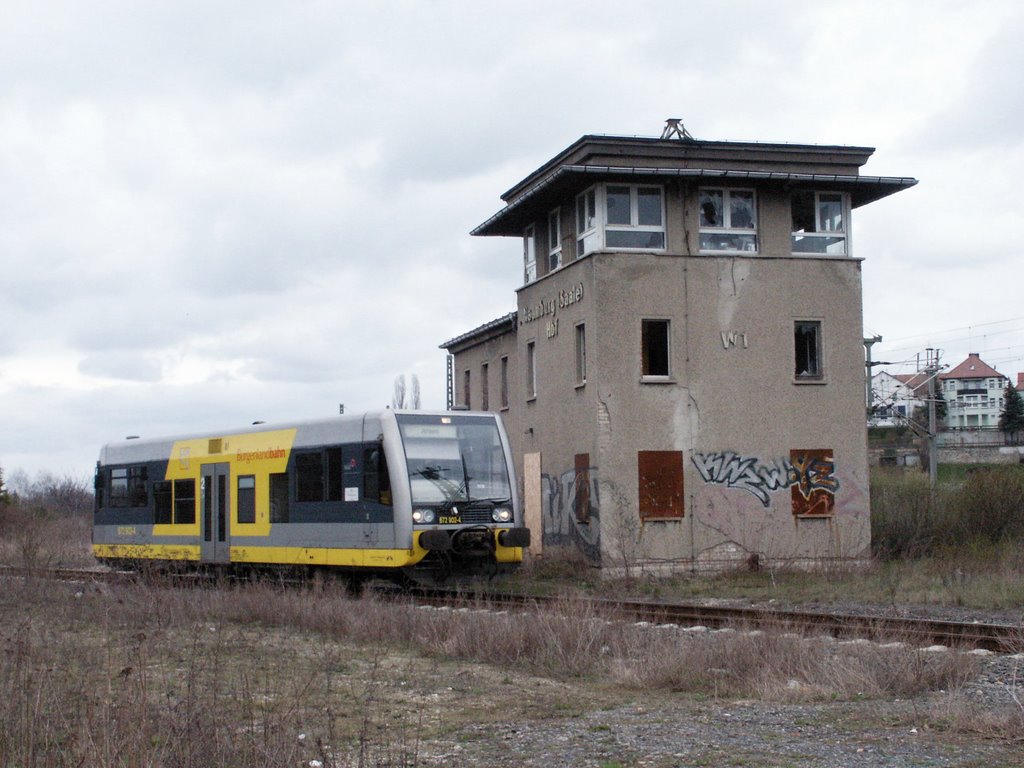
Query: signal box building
(683, 377)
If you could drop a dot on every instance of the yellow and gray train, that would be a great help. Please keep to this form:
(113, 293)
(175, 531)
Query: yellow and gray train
(401, 493)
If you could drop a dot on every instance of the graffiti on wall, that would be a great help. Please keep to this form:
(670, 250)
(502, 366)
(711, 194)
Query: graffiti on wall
(810, 474)
(565, 522)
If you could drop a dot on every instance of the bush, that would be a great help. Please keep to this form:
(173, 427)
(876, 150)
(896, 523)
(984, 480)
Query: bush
(909, 518)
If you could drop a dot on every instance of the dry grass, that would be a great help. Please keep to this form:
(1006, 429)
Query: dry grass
(236, 675)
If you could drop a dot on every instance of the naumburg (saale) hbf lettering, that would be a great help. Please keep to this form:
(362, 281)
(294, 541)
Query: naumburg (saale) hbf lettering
(546, 307)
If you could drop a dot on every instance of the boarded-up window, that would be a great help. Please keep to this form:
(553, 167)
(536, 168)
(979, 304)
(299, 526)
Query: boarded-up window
(582, 487)
(660, 484)
(814, 491)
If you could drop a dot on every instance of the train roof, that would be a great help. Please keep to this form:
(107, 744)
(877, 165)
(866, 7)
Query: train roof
(354, 427)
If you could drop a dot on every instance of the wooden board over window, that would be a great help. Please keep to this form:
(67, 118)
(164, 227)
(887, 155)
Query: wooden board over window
(660, 476)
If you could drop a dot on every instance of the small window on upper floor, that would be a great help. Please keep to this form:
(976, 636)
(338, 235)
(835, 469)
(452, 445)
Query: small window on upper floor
(554, 240)
(529, 255)
(819, 223)
(621, 217)
(634, 217)
(655, 352)
(728, 220)
(807, 349)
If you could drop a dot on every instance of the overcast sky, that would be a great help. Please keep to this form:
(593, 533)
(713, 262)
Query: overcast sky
(218, 212)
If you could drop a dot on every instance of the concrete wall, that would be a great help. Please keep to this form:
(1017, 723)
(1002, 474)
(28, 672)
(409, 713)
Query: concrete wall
(771, 466)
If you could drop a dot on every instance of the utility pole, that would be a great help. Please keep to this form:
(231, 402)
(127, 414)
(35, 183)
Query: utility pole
(868, 343)
(932, 369)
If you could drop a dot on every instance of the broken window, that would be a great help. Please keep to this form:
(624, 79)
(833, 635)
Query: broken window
(807, 347)
(819, 223)
(728, 220)
(660, 475)
(654, 343)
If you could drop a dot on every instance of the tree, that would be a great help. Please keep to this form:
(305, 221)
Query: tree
(407, 398)
(1011, 420)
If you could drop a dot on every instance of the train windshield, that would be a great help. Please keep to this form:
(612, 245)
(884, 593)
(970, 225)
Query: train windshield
(454, 458)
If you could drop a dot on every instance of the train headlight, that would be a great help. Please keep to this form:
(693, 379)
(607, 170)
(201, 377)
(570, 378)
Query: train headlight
(501, 514)
(423, 516)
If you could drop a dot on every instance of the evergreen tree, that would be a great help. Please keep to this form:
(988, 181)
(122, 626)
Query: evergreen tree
(1011, 420)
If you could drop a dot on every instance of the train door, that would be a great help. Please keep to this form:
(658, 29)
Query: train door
(215, 512)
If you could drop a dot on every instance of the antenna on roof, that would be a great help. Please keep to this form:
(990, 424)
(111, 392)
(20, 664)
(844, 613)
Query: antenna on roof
(674, 129)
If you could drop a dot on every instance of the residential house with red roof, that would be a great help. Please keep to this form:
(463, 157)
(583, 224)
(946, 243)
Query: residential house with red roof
(974, 394)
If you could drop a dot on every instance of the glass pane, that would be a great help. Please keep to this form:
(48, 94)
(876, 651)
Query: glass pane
(617, 204)
(554, 231)
(741, 210)
(830, 213)
(649, 207)
(809, 243)
(617, 238)
(711, 208)
(727, 241)
(803, 212)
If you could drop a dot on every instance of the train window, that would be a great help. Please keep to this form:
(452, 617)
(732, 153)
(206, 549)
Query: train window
(119, 487)
(163, 502)
(137, 493)
(309, 471)
(352, 459)
(185, 502)
(279, 497)
(334, 484)
(247, 499)
(376, 482)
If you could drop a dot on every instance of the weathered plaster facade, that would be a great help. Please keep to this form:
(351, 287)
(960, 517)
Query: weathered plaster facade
(719, 413)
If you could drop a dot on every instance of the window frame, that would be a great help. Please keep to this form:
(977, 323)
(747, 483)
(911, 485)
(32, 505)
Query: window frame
(820, 233)
(504, 382)
(580, 336)
(593, 225)
(531, 369)
(554, 239)
(646, 375)
(484, 393)
(816, 376)
(245, 499)
(727, 228)
(529, 254)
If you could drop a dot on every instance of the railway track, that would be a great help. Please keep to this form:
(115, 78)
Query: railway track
(999, 638)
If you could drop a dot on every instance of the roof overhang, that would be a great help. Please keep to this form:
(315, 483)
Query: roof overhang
(486, 332)
(551, 190)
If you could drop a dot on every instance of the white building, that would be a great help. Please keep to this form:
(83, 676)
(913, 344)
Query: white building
(974, 394)
(895, 396)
